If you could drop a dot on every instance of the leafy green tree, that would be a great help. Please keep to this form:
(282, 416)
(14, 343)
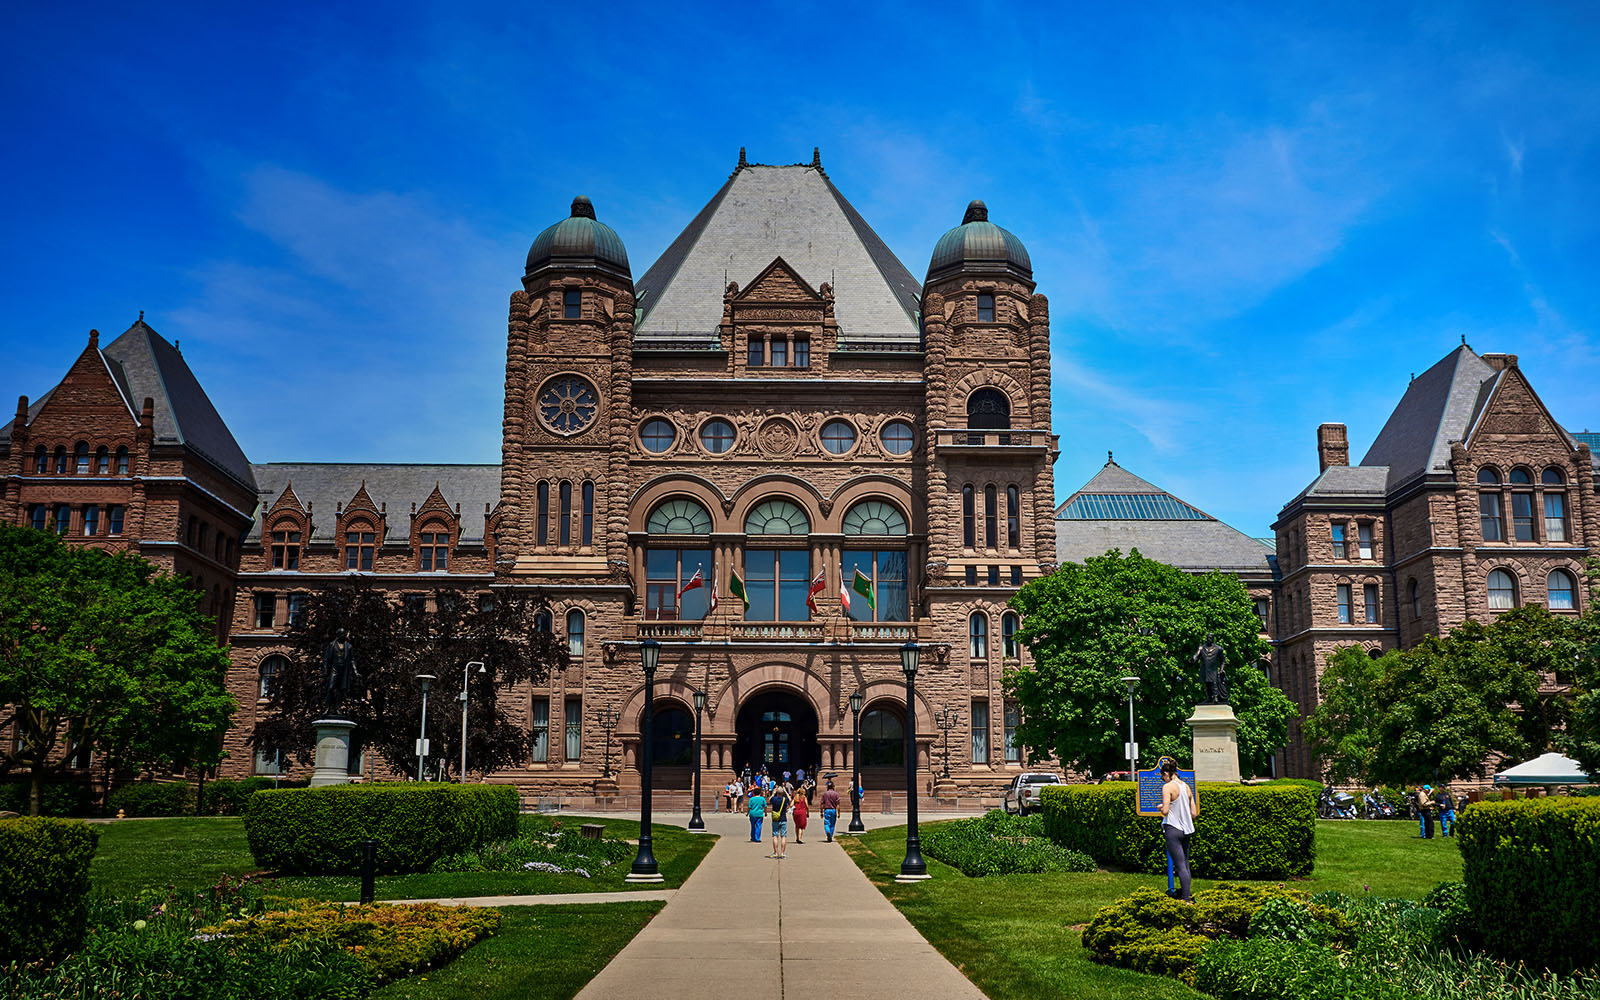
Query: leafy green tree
(1343, 730)
(393, 644)
(1581, 741)
(103, 651)
(1088, 625)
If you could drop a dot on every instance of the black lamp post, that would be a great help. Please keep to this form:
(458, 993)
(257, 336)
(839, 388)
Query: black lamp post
(855, 765)
(913, 868)
(644, 864)
(696, 824)
(608, 716)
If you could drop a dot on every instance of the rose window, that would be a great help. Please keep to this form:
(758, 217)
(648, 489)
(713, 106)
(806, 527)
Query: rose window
(568, 404)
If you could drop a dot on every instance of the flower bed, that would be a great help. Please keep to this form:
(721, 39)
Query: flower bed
(556, 851)
(998, 844)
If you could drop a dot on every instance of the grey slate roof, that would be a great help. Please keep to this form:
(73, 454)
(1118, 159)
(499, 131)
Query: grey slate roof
(1438, 407)
(1350, 480)
(791, 212)
(325, 486)
(1192, 543)
(143, 364)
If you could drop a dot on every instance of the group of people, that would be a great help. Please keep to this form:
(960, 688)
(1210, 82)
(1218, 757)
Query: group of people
(1431, 801)
(765, 797)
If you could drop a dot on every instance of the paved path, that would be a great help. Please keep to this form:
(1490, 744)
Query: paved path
(747, 926)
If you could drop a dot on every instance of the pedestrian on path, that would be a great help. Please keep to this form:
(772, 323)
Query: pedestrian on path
(801, 811)
(1178, 810)
(782, 802)
(735, 793)
(756, 809)
(830, 811)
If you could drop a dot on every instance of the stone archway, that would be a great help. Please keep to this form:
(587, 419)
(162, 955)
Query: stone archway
(776, 727)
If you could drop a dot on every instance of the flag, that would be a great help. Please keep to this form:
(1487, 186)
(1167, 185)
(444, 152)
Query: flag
(844, 597)
(817, 586)
(713, 593)
(863, 586)
(695, 583)
(736, 588)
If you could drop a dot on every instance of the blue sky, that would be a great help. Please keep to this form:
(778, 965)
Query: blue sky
(1248, 220)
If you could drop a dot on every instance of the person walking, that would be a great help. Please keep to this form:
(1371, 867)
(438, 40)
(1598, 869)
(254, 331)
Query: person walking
(782, 802)
(830, 812)
(1425, 807)
(756, 809)
(801, 810)
(1446, 804)
(1178, 811)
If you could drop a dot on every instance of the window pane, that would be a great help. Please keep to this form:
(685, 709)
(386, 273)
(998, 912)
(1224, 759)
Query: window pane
(1364, 536)
(91, 520)
(850, 564)
(114, 519)
(1502, 591)
(588, 513)
(657, 435)
(1338, 541)
(1489, 516)
(716, 436)
(575, 634)
(571, 304)
(1344, 602)
(780, 353)
(696, 603)
(541, 729)
(566, 512)
(978, 636)
(1522, 516)
(1013, 751)
(969, 534)
(1560, 585)
(542, 520)
(838, 437)
(896, 437)
(802, 353)
(761, 581)
(1369, 594)
(754, 360)
(794, 567)
(1555, 522)
(574, 728)
(990, 527)
(986, 309)
(893, 599)
(980, 732)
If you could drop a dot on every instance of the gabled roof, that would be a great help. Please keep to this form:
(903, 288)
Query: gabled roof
(1438, 407)
(323, 486)
(764, 212)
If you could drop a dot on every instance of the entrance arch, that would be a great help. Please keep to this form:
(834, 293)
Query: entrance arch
(777, 728)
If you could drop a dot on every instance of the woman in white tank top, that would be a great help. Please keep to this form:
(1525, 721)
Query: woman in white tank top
(1178, 811)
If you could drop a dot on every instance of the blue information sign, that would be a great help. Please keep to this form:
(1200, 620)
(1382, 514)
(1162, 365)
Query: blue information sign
(1150, 790)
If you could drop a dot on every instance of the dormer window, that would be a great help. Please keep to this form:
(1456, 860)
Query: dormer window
(571, 303)
(359, 545)
(985, 308)
(286, 549)
(80, 456)
(434, 550)
(122, 461)
(102, 461)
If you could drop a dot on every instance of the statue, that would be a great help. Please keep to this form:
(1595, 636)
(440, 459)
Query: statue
(1213, 670)
(339, 675)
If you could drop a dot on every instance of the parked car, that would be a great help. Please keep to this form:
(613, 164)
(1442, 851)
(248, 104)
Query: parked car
(1022, 795)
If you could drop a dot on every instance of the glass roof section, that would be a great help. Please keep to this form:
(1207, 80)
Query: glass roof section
(1130, 507)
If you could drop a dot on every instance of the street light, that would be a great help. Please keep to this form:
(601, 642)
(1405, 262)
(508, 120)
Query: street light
(696, 824)
(644, 863)
(947, 719)
(422, 738)
(466, 673)
(608, 716)
(913, 868)
(1133, 748)
(855, 764)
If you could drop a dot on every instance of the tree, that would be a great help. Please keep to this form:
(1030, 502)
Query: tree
(1088, 625)
(1343, 730)
(393, 644)
(102, 651)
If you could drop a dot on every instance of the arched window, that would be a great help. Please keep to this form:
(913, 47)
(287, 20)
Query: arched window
(897, 437)
(777, 517)
(988, 409)
(991, 526)
(541, 524)
(102, 461)
(41, 461)
(672, 736)
(1008, 635)
(1013, 518)
(838, 437)
(360, 543)
(1489, 476)
(268, 673)
(716, 436)
(969, 519)
(679, 517)
(588, 512)
(874, 517)
(1555, 512)
(564, 531)
(542, 620)
(433, 548)
(1560, 589)
(1521, 477)
(38, 516)
(575, 634)
(1553, 477)
(63, 519)
(122, 461)
(669, 571)
(1491, 522)
(61, 460)
(978, 636)
(657, 435)
(1416, 599)
(80, 456)
(883, 738)
(1502, 591)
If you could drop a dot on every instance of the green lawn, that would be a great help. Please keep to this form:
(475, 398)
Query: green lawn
(193, 852)
(1016, 936)
(539, 953)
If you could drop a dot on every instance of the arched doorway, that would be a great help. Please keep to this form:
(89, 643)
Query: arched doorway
(778, 729)
(672, 746)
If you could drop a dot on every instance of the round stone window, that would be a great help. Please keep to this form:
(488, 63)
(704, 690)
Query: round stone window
(838, 437)
(568, 404)
(657, 435)
(716, 436)
(896, 437)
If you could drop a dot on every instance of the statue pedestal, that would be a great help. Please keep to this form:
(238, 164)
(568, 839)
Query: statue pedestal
(333, 752)
(1216, 743)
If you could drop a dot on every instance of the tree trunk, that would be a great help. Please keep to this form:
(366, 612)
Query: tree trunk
(36, 788)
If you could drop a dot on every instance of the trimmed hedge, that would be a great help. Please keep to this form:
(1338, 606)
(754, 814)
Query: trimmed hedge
(227, 796)
(997, 844)
(1243, 831)
(1532, 871)
(319, 831)
(153, 798)
(58, 797)
(44, 882)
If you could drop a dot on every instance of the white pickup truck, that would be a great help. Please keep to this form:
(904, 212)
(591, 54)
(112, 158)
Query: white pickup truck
(1022, 795)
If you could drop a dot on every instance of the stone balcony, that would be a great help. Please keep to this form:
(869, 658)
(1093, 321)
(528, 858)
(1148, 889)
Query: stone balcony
(1006, 445)
(831, 630)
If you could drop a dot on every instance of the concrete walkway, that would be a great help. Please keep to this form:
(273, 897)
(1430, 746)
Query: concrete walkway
(747, 926)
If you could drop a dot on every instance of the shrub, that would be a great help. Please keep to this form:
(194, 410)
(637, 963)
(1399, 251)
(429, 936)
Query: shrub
(44, 881)
(997, 844)
(226, 796)
(554, 851)
(1243, 831)
(1532, 873)
(1283, 919)
(60, 797)
(319, 831)
(153, 798)
(1267, 968)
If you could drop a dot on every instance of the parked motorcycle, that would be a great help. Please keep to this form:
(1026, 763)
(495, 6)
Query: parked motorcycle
(1334, 804)
(1375, 806)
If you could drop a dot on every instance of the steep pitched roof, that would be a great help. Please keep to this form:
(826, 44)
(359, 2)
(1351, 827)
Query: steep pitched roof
(1438, 407)
(765, 212)
(323, 486)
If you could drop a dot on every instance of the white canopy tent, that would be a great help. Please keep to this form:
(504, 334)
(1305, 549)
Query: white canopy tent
(1549, 769)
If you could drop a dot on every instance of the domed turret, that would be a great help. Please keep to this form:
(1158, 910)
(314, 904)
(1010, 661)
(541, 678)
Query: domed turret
(978, 245)
(579, 243)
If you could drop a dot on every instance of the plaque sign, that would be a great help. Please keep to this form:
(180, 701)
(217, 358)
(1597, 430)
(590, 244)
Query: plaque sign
(1150, 790)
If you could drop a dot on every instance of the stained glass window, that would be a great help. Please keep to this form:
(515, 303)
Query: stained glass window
(874, 517)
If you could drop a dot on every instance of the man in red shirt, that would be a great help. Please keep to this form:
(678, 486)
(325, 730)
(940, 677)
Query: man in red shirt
(830, 810)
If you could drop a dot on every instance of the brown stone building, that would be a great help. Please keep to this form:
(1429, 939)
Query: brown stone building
(776, 401)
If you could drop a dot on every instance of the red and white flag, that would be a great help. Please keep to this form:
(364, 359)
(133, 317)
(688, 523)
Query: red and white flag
(695, 583)
(844, 597)
(713, 593)
(817, 586)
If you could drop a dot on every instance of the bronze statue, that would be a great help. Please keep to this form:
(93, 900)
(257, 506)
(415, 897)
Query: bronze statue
(1213, 670)
(339, 675)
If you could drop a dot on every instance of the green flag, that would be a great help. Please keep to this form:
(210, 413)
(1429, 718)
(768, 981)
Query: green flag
(736, 588)
(863, 586)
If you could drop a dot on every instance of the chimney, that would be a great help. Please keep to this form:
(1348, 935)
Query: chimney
(1500, 362)
(1333, 447)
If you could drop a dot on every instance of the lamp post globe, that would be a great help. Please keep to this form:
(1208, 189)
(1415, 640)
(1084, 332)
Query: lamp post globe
(913, 868)
(855, 765)
(696, 823)
(644, 863)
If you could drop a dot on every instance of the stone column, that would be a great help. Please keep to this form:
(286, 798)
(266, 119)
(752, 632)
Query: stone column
(1216, 743)
(333, 752)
